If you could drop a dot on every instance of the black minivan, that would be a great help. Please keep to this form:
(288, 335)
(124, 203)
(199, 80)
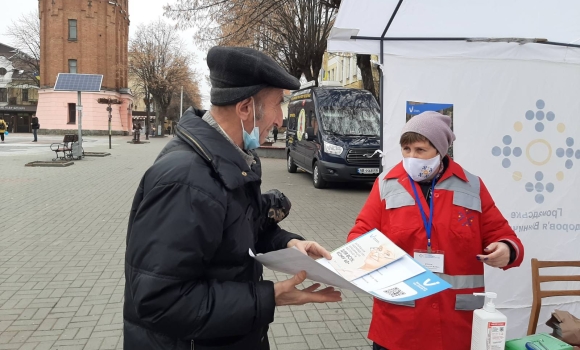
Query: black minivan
(333, 133)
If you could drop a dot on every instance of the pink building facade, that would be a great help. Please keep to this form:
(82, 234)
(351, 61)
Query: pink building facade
(57, 112)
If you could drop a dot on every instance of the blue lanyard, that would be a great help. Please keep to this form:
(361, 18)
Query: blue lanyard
(428, 225)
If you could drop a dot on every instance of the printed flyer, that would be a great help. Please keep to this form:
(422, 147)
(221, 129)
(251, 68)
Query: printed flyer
(396, 278)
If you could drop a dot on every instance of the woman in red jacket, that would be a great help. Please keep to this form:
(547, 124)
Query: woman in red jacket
(443, 216)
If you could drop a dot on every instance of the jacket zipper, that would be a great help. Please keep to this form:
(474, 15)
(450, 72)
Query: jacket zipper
(192, 345)
(195, 142)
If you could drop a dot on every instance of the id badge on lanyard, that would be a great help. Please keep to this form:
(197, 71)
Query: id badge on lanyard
(432, 260)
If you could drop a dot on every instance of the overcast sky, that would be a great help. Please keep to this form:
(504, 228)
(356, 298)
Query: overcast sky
(140, 12)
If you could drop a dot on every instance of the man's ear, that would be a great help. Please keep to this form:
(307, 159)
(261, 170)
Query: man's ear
(245, 109)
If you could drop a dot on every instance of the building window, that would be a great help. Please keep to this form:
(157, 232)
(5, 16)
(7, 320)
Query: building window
(24, 95)
(72, 66)
(72, 113)
(3, 95)
(72, 29)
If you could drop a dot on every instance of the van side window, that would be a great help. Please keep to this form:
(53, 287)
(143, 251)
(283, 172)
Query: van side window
(313, 123)
(292, 116)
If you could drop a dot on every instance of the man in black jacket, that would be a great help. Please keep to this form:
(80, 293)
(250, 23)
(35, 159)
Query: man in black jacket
(35, 126)
(190, 281)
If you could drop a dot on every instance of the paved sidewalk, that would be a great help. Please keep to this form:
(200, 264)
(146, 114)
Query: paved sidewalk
(62, 245)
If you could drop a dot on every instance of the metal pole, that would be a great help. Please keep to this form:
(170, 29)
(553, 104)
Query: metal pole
(147, 118)
(110, 116)
(80, 109)
(181, 105)
(382, 106)
(382, 79)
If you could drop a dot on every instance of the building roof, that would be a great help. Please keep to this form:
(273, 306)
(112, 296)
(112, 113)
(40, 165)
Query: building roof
(21, 71)
(5, 49)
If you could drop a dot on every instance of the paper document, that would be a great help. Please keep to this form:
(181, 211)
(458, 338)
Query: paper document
(365, 254)
(399, 279)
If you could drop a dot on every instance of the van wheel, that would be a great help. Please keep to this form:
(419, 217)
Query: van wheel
(290, 164)
(317, 180)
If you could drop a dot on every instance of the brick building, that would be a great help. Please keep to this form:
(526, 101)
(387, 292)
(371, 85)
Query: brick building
(87, 37)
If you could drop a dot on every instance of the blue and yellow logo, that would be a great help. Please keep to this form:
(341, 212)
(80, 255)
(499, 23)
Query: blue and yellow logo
(538, 151)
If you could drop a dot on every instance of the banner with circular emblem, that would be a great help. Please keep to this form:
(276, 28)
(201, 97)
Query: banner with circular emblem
(517, 124)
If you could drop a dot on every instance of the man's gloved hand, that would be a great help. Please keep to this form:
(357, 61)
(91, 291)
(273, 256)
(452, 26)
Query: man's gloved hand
(276, 208)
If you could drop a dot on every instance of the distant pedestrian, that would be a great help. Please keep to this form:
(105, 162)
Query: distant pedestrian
(275, 132)
(3, 128)
(35, 127)
(136, 132)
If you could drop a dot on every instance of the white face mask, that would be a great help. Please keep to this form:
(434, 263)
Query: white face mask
(421, 169)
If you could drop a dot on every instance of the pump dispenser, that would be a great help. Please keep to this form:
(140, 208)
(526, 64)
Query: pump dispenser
(488, 331)
(489, 306)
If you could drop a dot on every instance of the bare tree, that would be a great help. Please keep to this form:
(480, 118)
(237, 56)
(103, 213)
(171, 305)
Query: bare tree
(362, 61)
(24, 33)
(159, 65)
(300, 30)
(293, 32)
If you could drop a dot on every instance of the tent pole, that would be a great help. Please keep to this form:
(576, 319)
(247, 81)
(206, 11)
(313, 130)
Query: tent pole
(382, 80)
(558, 44)
(392, 38)
(382, 99)
(391, 19)
(356, 37)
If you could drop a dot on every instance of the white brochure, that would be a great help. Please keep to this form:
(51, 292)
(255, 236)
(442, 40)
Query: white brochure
(399, 278)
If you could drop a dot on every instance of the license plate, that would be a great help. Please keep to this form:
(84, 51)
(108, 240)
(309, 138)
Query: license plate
(368, 170)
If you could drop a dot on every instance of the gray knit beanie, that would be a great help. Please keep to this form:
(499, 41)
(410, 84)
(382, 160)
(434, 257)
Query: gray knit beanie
(436, 127)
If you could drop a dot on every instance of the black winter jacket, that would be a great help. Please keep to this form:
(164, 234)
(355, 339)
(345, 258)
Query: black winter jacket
(190, 281)
(35, 124)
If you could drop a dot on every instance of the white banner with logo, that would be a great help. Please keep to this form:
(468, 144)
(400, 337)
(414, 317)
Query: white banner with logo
(518, 127)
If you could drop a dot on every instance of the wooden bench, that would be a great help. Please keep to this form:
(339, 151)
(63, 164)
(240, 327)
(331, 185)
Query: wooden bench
(66, 147)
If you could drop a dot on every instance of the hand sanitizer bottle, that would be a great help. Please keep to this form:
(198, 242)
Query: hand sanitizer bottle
(488, 331)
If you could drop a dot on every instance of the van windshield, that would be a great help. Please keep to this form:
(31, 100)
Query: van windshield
(349, 113)
(351, 121)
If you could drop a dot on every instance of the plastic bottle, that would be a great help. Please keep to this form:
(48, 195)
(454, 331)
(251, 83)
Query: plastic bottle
(489, 328)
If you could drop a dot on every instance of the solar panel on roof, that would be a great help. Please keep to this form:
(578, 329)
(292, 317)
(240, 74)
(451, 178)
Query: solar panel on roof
(78, 82)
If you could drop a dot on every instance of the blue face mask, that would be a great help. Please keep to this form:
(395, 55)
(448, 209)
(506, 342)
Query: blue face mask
(251, 141)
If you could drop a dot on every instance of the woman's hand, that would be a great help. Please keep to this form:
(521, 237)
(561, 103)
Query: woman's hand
(498, 255)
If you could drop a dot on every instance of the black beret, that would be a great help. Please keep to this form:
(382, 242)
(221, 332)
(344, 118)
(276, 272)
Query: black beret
(237, 73)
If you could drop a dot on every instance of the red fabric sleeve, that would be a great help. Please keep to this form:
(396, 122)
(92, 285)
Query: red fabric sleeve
(495, 228)
(370, 215)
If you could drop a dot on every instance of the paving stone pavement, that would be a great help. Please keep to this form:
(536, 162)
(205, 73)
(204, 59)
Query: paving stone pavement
(62, 245)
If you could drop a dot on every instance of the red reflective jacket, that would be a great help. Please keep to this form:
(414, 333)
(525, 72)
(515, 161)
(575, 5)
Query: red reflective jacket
(465, 221)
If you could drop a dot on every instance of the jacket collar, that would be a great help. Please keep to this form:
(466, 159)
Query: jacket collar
(398, 171)
(215, 149)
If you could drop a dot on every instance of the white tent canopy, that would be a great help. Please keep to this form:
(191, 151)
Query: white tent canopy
(556, 22)
(510, 69)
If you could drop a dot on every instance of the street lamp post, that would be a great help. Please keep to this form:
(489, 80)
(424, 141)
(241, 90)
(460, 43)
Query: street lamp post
(147, 101)
(109, 101)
